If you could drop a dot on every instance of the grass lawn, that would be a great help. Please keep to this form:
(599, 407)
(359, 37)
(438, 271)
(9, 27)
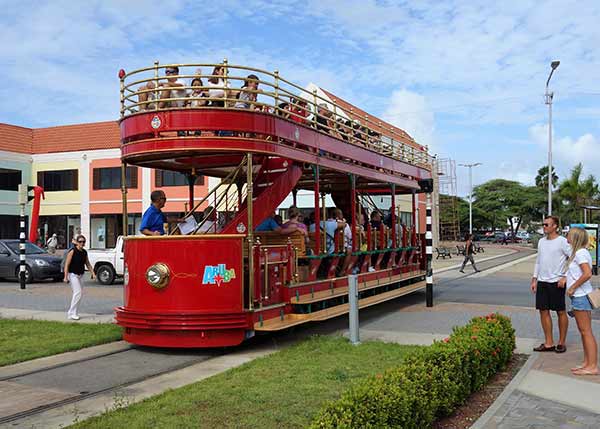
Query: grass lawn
(22, 340)
(283, 390)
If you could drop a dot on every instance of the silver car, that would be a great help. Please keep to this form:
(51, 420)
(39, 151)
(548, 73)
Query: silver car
(39, 263)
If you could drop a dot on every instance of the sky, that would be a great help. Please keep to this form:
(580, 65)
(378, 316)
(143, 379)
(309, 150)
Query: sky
(465, 78)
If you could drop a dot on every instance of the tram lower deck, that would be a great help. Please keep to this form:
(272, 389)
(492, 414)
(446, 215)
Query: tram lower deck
(221, 279)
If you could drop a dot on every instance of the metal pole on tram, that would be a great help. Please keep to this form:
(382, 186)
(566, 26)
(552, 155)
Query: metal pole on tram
(317, 213)
(353, 316)
(249, 205)
(429, 253)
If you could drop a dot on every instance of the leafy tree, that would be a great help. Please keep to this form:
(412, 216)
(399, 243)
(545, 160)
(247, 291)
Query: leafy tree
(509, 201)
(574, 192)
(541, 180)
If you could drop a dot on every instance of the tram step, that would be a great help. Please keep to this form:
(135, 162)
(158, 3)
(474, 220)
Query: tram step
(338, 310)
(310, 298)
(289, 320)
(277, 324)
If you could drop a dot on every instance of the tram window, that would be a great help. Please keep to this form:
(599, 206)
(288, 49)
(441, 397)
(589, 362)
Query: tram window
(110, 178)
(9, 179)
(173, 178)
(58, 180)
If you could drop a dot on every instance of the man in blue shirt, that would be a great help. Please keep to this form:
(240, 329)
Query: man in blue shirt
(270, 224)
(154, 219)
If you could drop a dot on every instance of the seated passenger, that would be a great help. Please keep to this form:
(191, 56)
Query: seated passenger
(330, 226)
(376, 220)
(247, 96)
(294, 215)
(298, 111)
(270, 224)
(146, 99)
(172, 88)
(209, 222)
(197, 96)
(217, 87)
(322, 116)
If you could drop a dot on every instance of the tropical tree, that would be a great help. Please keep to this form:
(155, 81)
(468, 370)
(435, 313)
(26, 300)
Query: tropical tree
(507, 201)
(541, 180)
(575, 192)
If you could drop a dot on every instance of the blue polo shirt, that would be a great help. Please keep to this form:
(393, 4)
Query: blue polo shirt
(153, 220)
(268, 224)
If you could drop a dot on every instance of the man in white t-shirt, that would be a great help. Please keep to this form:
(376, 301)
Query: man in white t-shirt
(548, 284)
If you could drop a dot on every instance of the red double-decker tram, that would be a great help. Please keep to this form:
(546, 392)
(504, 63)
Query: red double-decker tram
(219, 278)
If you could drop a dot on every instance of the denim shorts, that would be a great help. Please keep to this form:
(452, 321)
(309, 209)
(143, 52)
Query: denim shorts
(581, 303)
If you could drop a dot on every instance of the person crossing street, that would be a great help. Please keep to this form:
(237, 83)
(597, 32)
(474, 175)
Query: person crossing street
(469, 252)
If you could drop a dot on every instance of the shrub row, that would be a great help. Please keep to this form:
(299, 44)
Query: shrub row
(430, 383)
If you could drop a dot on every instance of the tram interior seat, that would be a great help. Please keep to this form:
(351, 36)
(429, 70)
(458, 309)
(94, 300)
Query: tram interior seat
(272, 238)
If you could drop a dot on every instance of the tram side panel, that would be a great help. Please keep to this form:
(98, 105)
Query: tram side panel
(184, 292)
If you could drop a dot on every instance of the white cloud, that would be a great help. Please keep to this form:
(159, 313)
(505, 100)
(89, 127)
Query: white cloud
(408, 111)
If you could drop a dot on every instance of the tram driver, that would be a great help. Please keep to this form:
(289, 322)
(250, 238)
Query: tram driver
(154, 219)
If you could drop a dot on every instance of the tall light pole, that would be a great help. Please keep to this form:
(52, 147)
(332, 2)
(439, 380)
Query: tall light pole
(470, 167)
(549, 96)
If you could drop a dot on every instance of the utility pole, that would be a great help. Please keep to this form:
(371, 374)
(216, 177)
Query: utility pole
(549, 96)
(470, 166)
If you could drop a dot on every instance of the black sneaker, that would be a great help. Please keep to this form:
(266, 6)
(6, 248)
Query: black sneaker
(461, 271)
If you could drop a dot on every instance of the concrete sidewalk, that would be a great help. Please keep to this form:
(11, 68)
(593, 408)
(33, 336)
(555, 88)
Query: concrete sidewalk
(54, 316)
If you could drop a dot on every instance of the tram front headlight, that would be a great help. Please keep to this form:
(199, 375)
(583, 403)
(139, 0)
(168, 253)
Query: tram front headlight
(158, 275)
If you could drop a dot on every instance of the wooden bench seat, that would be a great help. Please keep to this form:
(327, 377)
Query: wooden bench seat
(272, 238)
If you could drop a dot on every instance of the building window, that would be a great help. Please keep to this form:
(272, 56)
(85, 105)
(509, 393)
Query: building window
(173, 178)
(10, 179)
(59, 180)
(110, 178)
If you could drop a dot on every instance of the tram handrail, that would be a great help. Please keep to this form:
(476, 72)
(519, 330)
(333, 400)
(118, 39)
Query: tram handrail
(274, 91)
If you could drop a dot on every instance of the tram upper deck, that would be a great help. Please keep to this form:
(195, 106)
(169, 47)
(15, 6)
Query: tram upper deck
(206, 117)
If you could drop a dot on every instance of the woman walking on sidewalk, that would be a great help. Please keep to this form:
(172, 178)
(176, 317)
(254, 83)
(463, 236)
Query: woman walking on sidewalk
(77, 260)
(469, 251)
(579, 273)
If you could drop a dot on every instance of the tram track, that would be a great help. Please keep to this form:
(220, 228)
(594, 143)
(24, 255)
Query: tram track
(45, 378)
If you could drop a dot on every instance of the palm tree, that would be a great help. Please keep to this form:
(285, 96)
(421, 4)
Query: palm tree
(575, 192)
(541, 180)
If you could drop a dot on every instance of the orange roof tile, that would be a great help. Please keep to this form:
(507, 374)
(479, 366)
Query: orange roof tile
(376, 124)
(15, 139)
(69, 138)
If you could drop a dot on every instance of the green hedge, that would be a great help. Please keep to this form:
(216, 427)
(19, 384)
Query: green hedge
(430, 383)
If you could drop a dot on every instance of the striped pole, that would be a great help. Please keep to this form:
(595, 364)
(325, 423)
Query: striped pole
(22, 248)
(429, 253)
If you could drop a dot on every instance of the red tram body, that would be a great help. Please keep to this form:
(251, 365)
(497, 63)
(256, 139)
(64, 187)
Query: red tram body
(216, 289)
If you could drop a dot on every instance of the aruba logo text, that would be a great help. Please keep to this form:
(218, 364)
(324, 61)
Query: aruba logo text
(217, 274)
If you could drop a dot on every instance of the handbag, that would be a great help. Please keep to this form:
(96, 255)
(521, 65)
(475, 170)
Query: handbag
(594, 298)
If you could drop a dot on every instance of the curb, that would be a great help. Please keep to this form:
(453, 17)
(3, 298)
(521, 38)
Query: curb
(493, 270)
(489, 414)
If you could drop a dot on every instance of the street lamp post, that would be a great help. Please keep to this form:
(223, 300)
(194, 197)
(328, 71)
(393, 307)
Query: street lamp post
(470, 167)
(549, 96)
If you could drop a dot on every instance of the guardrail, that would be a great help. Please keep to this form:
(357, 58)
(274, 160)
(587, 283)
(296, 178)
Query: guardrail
(234, 87)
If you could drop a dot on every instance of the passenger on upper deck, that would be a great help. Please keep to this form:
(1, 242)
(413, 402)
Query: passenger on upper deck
(154, 219)
(217, 87)
(298, 111)
(247, 96)
(197, 96)
(144, 98)
(172, 88)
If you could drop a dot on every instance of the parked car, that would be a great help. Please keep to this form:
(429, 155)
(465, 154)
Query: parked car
(39, 263)
(523, 235)
(107, 263)
(499, 237)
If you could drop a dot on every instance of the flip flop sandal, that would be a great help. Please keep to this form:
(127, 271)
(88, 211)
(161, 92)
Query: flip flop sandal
(576, 368)
(560, 348)
(542, 348)
(582, 371)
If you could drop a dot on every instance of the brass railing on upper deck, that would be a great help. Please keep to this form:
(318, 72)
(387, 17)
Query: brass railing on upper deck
(169, 87)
